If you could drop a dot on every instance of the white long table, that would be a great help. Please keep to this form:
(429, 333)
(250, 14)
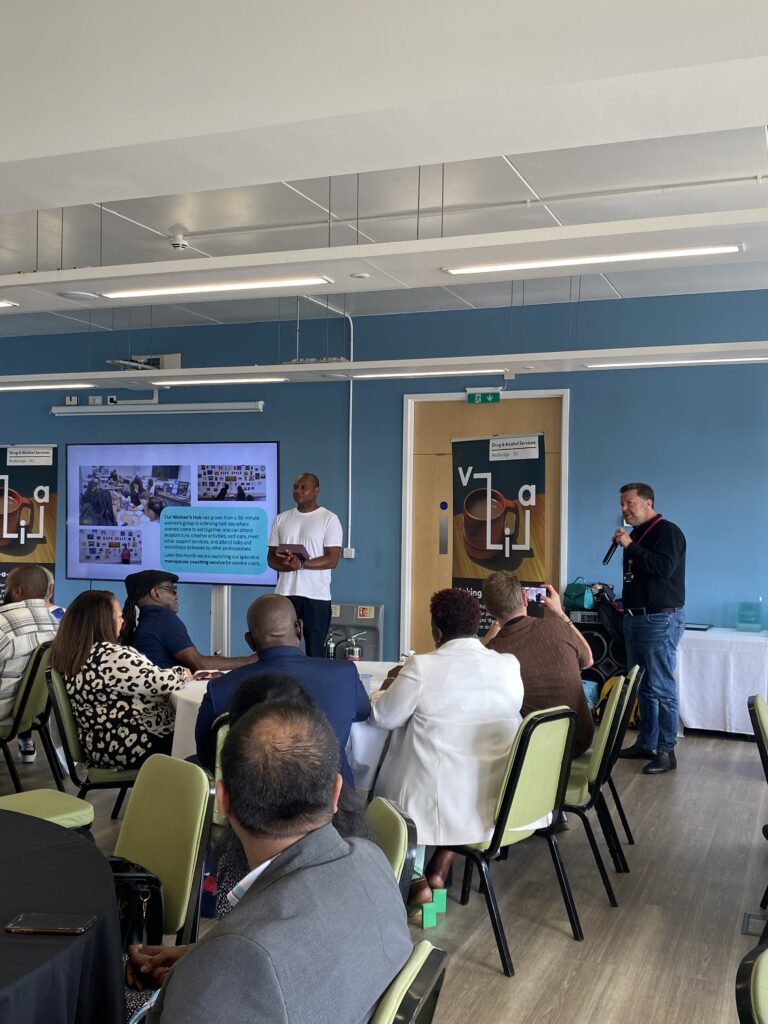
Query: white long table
(717, 670)
(366, 741)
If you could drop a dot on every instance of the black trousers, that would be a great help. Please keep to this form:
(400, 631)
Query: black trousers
(316, 619)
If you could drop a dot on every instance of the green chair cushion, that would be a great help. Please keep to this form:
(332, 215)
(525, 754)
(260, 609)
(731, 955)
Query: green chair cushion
(59, 808)
(577, 790)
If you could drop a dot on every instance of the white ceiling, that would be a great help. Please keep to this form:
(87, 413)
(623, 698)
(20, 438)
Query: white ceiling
(609, 135)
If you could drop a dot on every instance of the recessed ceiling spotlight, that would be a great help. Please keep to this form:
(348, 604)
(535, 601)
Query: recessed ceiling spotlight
(78, 296)
(361, 276)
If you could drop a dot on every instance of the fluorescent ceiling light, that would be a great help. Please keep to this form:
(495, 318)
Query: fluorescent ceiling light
(675, 362)
(6, 303)
(201, 289)
(583, 261)
(425, 373)
(218, 380)
(153, 409)
(63, 386)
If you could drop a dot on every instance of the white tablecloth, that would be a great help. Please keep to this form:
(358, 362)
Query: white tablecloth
(187, 703)
(717, 670)
(366, 741)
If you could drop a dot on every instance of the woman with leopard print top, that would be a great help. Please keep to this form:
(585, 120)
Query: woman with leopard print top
(120, 699)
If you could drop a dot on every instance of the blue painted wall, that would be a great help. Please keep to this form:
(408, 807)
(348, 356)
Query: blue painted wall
(698, 434)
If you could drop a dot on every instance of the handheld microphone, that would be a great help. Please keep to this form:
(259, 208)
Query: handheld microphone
(610, 552)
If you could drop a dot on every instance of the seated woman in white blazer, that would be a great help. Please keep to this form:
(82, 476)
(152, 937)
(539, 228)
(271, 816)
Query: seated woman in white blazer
(455, 713)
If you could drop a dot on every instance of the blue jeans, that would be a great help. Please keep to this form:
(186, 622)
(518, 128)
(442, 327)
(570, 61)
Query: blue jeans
(652, 644)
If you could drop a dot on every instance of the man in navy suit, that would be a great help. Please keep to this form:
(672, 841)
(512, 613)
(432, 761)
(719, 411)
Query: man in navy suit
(274, 633)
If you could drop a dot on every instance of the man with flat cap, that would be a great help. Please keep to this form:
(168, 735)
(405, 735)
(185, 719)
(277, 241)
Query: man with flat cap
(160, 634)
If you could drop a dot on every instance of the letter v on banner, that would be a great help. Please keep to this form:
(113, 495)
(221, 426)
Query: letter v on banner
(499, 509)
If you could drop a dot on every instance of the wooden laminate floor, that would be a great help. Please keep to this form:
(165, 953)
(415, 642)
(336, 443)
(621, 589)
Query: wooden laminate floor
(668, 953)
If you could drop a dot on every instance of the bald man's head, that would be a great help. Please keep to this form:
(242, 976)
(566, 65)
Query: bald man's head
(25, 582)
(272, 622)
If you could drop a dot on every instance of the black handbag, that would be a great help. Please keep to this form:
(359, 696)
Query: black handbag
(139, 896)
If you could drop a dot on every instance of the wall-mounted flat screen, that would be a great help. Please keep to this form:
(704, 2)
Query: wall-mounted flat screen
(202, 511)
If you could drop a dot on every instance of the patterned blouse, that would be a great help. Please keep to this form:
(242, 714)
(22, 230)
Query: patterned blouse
(121, 705)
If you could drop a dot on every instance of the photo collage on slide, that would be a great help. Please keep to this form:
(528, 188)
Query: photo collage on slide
(201, 510)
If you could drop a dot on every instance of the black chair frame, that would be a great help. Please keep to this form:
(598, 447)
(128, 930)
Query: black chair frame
(744, 982)
(597, 801)
(418, 1004)
(189, 930)
(38, 725)
(85, 785)
(611, 784)
(763, 750)
(496, 851)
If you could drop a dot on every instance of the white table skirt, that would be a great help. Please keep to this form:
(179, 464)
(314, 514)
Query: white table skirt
(717, 670)
(187, 703)
(366, 741)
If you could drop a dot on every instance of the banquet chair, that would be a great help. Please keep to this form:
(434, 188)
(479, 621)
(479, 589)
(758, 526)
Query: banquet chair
(758, 714)
(395, 834)
(86, 778)
(219, 731)
(585, 784)
(31, 710)
(752, 986)
(634, 676)
(51, 805)
(532, 788)
(412, 996)
(165, 830)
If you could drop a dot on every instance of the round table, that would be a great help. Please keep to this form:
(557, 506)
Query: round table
(53, 979)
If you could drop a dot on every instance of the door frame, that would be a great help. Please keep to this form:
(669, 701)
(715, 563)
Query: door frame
(409, 405)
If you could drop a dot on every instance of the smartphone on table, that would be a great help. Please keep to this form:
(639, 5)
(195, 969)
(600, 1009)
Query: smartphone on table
(50, 924)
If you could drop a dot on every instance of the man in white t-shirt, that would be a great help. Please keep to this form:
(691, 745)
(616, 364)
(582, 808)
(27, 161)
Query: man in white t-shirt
(307, 582)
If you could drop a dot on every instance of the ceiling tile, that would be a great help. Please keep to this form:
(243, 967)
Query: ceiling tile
(536, 292)
(411, 300)
(667, 203)
(685, 280)
(646, 162)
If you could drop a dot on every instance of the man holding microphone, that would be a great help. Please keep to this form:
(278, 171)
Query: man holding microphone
(653, 597)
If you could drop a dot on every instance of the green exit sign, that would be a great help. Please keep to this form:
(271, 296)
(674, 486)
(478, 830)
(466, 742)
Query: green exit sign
(483, 397)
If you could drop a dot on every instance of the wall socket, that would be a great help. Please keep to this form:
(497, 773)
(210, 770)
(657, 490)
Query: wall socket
(95, 399)
(70, 400)
(348, 552)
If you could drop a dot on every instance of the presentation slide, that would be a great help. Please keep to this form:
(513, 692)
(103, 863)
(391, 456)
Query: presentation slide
(202, 511)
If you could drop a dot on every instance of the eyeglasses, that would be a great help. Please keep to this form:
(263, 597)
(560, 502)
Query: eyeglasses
(171, 590)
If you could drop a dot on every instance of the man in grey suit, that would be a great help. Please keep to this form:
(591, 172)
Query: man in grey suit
(319, 929)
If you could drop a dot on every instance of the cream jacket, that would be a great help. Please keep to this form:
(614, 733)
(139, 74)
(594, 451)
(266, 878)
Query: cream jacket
(454, 713)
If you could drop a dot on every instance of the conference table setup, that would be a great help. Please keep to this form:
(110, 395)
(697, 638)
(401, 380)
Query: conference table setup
(365, 747)
(57, 979)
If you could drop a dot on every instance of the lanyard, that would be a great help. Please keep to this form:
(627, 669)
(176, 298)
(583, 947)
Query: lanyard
(648, 528)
